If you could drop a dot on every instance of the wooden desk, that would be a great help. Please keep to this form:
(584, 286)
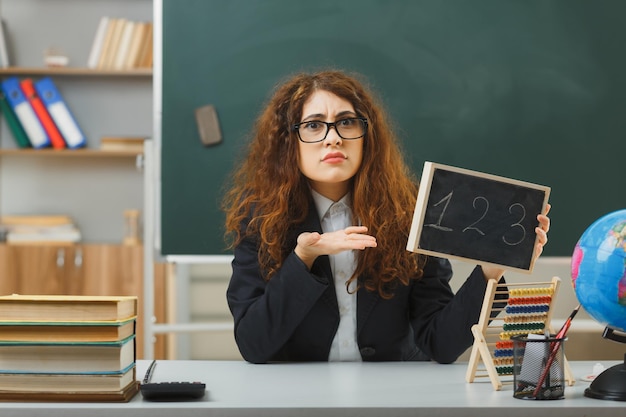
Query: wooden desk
(334, 389)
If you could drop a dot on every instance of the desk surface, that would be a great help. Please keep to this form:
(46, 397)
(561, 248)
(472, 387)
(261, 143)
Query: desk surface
(334, 389)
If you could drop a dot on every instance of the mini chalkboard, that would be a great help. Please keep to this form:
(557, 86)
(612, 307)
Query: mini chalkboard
(477, 217)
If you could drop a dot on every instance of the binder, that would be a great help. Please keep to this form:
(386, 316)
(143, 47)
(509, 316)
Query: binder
(25, 113)
(44, 117)
(14, 125)
(60, 113)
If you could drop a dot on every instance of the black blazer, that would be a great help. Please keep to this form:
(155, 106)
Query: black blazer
(294, 316)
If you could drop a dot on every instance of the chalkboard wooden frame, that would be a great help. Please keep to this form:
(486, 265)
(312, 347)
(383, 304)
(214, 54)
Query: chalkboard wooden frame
(473, 216)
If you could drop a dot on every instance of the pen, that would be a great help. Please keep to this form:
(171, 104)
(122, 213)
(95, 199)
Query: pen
(555, 349)
(148, 375)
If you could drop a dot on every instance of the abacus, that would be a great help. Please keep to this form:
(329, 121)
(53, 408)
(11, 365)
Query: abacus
(528, 310)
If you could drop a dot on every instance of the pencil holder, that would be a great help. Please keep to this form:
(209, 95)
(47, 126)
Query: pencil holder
(538, 367)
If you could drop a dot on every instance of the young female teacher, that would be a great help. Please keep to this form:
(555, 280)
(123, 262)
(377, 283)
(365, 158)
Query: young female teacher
(319, 215)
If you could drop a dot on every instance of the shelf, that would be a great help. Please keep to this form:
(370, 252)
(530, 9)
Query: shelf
(73, 71)
(69, 153)
(92, 185)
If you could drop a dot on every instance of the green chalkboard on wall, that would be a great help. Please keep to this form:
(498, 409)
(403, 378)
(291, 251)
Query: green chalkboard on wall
(533, 90)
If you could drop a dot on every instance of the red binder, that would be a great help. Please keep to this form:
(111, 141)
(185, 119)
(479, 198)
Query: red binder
(56, 139)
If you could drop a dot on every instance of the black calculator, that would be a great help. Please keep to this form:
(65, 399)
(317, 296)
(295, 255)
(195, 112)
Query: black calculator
(170, 391)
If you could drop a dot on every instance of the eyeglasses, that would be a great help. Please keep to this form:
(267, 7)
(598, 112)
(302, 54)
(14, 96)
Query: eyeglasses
(316, 130)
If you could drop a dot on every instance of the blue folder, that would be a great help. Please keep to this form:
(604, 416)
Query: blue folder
(60, 113)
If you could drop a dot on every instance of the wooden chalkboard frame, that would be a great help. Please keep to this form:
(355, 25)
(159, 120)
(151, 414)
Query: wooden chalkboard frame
(488, 240)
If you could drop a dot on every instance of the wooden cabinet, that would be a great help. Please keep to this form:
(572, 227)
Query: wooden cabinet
(35, 269)
(85, 269)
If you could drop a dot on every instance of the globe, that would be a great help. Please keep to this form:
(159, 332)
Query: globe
(599, 279)
(599, 270)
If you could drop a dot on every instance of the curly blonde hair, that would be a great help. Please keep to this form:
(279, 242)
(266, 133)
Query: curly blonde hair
(269, 189)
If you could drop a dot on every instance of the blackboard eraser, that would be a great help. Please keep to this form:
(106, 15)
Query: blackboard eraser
(208, 125)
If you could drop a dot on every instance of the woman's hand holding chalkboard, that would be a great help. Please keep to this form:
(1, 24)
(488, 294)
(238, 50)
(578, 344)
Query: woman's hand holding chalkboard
(311, 245)
(542, 231)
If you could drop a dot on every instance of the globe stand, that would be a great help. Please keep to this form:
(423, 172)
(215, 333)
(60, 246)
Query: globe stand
(610, 384)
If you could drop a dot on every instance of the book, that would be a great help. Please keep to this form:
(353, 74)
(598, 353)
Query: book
(21, 139)
(122, 143)
(4, 54)
(46, 121)
(98, 43)
(107, 42)
(60, 113)
(57, 229)
(135, 45)
(116, 37)
(124, 395)
(36, 220)
(67, 357)
(67, 307)
(52, 382)
(43, 234)
(145, 56)
(124, 45)
(67, 331)
(25, 113)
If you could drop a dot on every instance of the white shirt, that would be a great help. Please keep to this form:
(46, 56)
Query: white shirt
(333, 217)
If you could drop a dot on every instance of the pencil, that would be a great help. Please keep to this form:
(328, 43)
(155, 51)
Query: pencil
(555, 349)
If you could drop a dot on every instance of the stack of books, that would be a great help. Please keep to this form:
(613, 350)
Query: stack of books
(53, 229)
(121, 44)
(67, 348)
(38, 116)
